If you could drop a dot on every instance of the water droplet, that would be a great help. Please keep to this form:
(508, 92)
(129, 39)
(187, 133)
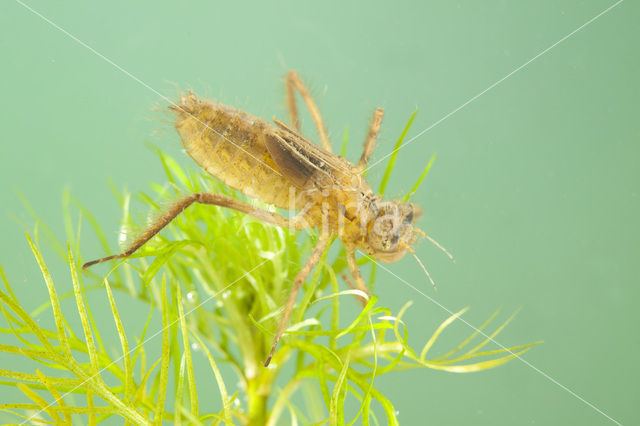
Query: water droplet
(192, 296)
(236, 403)
(397, 412)
(272, 366)
(195, 347)
(226, 294)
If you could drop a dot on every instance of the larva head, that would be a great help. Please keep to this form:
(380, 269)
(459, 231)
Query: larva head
(391, 233)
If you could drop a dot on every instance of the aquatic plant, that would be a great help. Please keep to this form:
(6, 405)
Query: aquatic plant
(214, 282)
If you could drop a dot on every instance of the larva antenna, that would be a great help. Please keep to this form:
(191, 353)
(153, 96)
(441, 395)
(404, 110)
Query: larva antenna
(424, 268)
(435, 243)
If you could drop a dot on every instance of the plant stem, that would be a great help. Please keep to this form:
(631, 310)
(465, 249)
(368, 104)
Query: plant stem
(257, 400)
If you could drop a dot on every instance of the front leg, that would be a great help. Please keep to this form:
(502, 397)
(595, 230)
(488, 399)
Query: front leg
(355, 273)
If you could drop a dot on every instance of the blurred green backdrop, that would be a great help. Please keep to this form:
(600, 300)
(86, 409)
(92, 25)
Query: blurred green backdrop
(534, 190)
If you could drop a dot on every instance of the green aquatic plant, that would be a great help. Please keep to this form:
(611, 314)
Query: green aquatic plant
(214, 282)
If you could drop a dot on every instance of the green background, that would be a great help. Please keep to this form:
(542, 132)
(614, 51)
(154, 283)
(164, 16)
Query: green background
(534, 190)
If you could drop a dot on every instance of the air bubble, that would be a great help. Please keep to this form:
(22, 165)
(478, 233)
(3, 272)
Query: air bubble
(122, 235)
(269, 255)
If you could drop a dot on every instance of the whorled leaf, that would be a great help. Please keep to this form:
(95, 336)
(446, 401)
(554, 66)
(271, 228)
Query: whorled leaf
(225, 294)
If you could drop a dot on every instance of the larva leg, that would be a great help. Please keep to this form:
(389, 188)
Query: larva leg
(369, 142)
(355, 272)
(293, 82)
(351, 285)
(177, 207)
(299, 280)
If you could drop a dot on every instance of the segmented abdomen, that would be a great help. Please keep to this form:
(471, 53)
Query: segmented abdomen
(228, 144)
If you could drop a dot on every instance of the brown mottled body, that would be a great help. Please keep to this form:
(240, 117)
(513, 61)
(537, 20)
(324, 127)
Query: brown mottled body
(275, 164)
(229, 145)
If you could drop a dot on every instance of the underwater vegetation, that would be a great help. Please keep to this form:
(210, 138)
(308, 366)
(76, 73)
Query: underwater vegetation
(213, 284)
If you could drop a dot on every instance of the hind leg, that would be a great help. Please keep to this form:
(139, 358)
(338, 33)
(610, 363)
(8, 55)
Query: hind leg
(178, 207)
